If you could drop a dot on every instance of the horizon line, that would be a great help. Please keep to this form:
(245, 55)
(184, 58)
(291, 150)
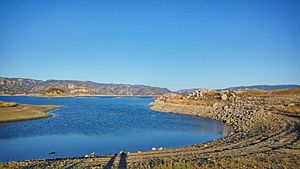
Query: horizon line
(250, 85)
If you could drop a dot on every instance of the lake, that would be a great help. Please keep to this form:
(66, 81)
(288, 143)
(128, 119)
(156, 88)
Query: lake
(104, 125)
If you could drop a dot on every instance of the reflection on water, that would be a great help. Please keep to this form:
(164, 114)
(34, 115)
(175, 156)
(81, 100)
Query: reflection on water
(102, 125)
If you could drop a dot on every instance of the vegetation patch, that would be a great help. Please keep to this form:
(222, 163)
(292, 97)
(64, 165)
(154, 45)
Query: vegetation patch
(54, 92)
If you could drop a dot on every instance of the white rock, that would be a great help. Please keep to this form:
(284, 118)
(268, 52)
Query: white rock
(153, 149)
(160, 148)
(223, 96)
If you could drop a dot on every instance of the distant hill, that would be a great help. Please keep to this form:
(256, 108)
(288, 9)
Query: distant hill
(265, 87)
(72, 87)
(261, 87)
(186, 91)
(54, 92)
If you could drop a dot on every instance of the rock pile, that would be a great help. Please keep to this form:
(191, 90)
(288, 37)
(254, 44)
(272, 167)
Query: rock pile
(228, 107)
(210, 94)
(200, 94)
(166, 97)
(238, 113)
(227, 95)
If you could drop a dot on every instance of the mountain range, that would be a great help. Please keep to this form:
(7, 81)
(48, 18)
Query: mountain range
(265, 87)
(12, 86)
(259, 87)
(22, 86)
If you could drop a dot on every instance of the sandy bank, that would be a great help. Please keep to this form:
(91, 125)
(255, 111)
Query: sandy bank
(20, 112)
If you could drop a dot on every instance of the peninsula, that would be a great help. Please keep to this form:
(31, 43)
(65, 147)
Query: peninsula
(10, 111)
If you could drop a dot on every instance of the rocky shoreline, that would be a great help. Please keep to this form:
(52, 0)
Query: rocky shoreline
(263, 137)
(242, 115)
(259, 129)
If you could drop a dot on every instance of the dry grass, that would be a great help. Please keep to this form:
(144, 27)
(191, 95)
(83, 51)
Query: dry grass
(7, 104)
(288, 109)
(273, 93)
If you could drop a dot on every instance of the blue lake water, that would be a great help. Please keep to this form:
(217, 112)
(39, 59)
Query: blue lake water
(103, 125)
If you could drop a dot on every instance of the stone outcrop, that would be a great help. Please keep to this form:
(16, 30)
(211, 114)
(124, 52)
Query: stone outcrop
(242, 113)
(199, 94)
(202, 94)
(165, 97)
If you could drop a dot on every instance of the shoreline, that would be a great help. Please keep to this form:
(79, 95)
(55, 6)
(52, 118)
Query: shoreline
(254, 125)
(41, 95)
(262, 138)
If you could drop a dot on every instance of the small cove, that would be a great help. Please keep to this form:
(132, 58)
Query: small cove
(102, 125)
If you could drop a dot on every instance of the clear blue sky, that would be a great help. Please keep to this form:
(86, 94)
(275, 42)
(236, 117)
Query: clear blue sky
(169, 43)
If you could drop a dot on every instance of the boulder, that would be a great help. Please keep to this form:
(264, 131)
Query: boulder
(167, 97)
(224, 96)
(198, 94)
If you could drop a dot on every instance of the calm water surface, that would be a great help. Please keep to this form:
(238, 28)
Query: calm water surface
(102, 125)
